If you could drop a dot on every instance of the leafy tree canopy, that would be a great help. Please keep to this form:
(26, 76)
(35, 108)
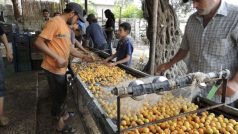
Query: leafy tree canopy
(128, 11)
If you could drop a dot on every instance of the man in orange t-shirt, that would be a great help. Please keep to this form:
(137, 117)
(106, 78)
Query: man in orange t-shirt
(54, 41)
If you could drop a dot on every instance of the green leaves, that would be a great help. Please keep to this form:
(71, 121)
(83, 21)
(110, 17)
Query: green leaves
(128, 11)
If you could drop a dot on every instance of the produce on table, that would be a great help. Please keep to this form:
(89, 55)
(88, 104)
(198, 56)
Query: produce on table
(206, 123)
(99, 77)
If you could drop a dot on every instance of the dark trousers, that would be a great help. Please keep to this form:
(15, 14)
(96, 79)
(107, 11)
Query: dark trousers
(109, 47)
(57, 84)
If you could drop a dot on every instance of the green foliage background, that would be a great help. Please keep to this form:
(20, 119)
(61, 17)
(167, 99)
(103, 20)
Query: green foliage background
(128, 11)
(91, 8)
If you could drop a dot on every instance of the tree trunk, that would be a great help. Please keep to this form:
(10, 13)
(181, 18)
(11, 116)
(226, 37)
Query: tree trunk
(168, 36)
(16, 8)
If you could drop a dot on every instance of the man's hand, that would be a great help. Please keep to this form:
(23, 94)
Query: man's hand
(105, 61)
(92, 57)
(87, 52)
(112, 64)
(88, 58)
(181, 54)
(9, 56)
(61, 62)
(163, 67)
(232, 86)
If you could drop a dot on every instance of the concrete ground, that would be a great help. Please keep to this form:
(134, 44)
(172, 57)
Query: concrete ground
(28, 107)
(82, 121)
(21, 104)
(140, 54)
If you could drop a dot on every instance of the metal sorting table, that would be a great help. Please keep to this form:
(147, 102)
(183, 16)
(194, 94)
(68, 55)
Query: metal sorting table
(109, 126)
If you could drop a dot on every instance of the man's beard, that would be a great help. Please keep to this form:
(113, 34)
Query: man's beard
(70, 21)
(202, 12)
(47, 18)
(205, 11)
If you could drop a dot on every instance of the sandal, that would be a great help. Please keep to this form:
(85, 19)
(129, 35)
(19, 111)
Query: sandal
(66, 130)
(67, 115)
(4, 121)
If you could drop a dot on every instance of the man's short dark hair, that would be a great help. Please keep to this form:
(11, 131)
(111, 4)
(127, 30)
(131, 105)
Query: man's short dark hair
(78, 10)
(67, 10)
(56, 13)
(92, 18)
(185, 1)
(126, 26)
(45, 10)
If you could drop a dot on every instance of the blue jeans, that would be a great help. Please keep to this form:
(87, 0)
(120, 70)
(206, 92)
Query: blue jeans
(2, 85)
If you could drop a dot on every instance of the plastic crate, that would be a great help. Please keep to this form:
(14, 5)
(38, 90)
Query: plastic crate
(22, 52)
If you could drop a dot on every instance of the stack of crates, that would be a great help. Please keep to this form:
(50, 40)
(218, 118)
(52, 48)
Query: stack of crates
(22, 52)
(36, 55)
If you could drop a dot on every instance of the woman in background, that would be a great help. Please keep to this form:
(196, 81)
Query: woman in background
(109, 28)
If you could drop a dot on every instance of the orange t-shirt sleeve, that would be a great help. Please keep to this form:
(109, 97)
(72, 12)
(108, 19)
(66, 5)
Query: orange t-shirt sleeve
(49, 30)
